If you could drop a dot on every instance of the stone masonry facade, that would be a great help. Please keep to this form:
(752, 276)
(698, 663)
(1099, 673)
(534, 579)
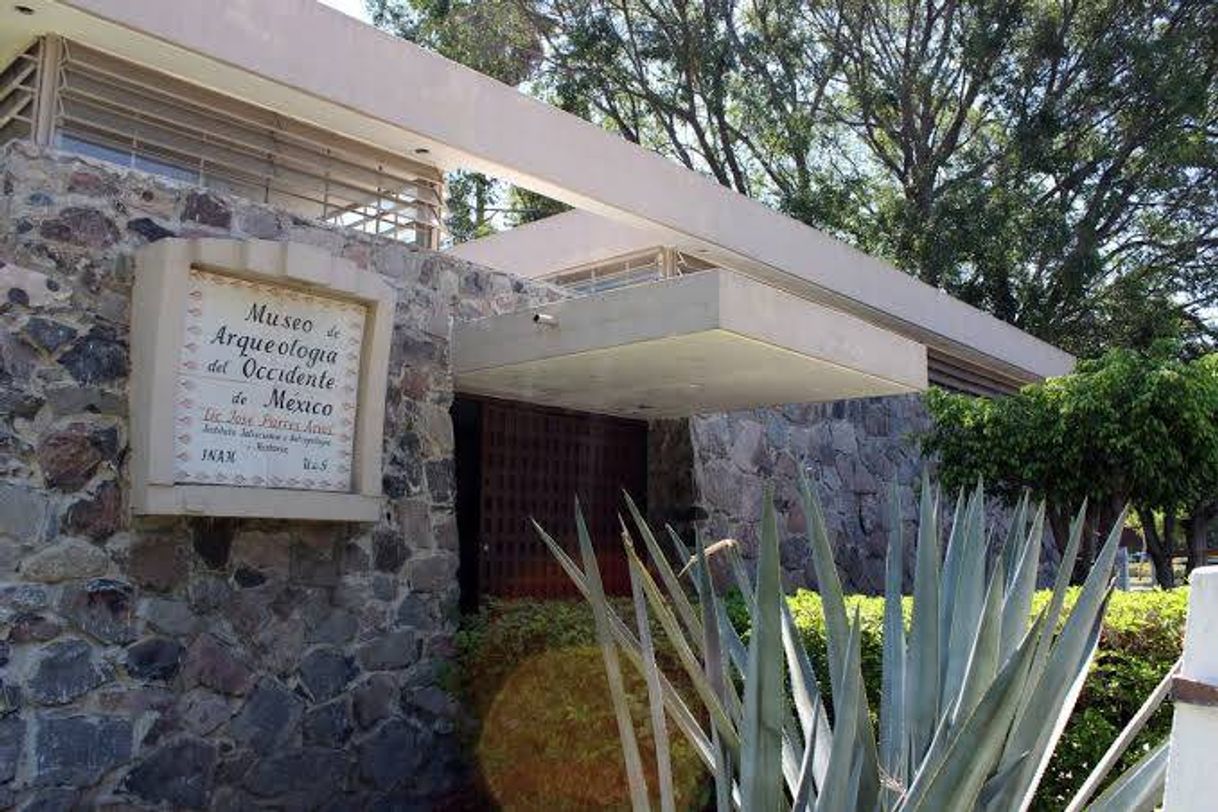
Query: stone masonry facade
(852, 450)
(210, 663)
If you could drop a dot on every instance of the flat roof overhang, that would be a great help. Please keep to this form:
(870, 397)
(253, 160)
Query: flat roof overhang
(708, 342)
(311, 62)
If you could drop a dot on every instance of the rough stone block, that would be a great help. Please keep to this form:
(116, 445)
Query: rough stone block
(179, 774)
(214, 665)
(329, 725)
(25, 513)
(78, 750)
(391, 754)
(431, 573)
(64, 670)
(389, 651)
(310, 774)
(326, 671)
(68, 558)
(103, 607)
(157, 658)
(12, 739)
(269, 717)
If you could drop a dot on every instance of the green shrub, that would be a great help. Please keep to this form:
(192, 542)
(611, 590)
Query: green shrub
(1142, 637)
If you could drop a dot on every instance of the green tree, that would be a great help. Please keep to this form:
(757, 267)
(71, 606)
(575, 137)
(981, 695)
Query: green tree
(1052, 161)
(501, 39)
(1127, 428)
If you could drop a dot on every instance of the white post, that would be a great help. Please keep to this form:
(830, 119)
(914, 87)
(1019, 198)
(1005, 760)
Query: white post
(1193, 759)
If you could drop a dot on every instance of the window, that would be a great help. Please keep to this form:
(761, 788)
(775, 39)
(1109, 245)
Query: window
(116, 111)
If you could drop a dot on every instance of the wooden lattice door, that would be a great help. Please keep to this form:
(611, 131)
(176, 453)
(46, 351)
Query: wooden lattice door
(534, 462)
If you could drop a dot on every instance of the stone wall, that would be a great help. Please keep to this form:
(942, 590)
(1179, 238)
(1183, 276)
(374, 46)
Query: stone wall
(852, 451)
(209, 662)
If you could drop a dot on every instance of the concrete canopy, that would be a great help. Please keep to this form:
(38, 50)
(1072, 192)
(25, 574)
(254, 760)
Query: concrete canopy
(712, 341)
(307, 61)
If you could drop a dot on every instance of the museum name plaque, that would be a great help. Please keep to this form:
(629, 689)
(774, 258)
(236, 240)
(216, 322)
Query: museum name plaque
(267, 386)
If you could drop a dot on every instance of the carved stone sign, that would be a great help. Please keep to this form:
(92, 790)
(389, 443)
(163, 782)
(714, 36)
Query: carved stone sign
(267, 386)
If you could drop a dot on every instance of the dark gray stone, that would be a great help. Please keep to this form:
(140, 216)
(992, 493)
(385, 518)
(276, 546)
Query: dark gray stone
(78, 750)
(208, 592)
(388, 550)
(149, 229)
(12, 739)
(269, 717)
(314, 567)
(170, 616)
(65, 670)
(48, 335)
(391, 754)
(441, 480)
(180, 774)
(375, 699)
(201, 711)
(52, 799)
(336, 627)
(103, 607)
(329, 725)
(248, 577)
(24, 597)
(312, 773)
(389, 651)
(25, 513)
(415, 611)
(432, 573)
(214, 665)
(326, 672)
(10, 699)
(157, 658)
(96, 359)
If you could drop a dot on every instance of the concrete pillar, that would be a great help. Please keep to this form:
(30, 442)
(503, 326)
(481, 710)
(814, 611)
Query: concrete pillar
(1193, 762)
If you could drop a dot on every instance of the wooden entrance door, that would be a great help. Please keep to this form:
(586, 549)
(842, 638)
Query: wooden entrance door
(533, 462)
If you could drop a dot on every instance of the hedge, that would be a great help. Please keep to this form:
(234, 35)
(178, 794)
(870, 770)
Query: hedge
(532, 675)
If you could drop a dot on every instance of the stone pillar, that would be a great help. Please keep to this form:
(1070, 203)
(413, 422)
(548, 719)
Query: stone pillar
(1193, 760)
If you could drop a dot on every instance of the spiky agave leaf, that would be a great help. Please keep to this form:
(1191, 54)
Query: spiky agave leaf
(841, 789)
(964, 755)
(893, 730)
(1048, 702)
(922, 670)
(630, 646)
(689, 660)
(1021, 584)
(655, 697)
(1124, 739)
(1140, 788)
(716, 671)
(833, 604)
(670, 580)
(617, 688)
(761, 769)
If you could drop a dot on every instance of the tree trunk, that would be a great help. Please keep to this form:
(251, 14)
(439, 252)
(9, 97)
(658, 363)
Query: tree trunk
(1158, 548)
(1199, 522)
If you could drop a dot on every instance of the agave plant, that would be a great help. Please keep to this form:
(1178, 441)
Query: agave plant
(974, 694)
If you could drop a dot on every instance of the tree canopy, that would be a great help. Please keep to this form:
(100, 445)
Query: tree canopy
(1127, 428)
(1052, 161)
